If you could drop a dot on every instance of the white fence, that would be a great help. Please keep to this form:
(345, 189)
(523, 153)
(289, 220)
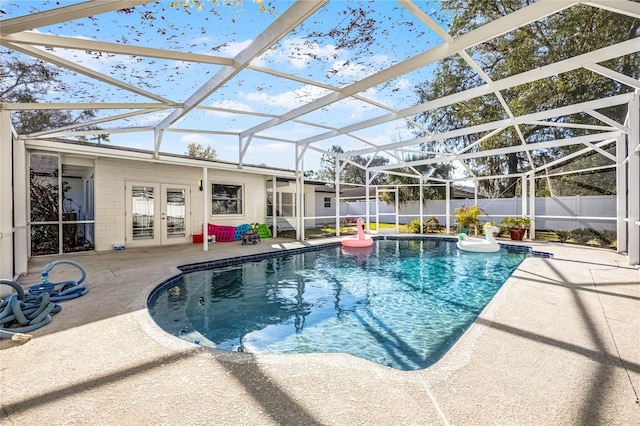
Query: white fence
(568, 213)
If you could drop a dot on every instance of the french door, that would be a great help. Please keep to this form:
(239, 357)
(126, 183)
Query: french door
(157, 214)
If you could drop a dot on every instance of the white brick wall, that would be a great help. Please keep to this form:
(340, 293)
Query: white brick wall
(112, 175)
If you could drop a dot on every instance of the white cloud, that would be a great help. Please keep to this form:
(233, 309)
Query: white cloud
(97, 63)
(229, 104)
(297, 53)
(292, 131)
(289, 99)
(271, 148)
(301, 52)
(402, 83)
(234, 48)
(149, 119)
(344, 68)
(197, 139)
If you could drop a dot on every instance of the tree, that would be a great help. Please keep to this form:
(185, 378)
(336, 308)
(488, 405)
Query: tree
(22, 82)
(196, 150)
(563, 35)
(350, 173)
(412, 193)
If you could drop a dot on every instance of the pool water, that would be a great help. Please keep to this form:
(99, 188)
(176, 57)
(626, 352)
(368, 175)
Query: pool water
(400, 303)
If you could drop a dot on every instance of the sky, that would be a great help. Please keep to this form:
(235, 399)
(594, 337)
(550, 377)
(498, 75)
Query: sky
(324, 49)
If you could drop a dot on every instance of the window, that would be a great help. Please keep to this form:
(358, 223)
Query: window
(61, 203)
(226, 199)
(287, 204)
(327, 202)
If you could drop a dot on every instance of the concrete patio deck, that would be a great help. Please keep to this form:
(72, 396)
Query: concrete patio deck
(559, 344)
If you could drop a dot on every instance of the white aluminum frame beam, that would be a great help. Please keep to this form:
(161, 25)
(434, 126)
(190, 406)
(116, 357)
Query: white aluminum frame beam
(623, 7)
(517, 148)
(6, 198)
(633, 179)
(56, 134)
(286, 22)
(606, 53)
(613, 75)
(26, 106)
(607, 120)
(524, 119)
(572, 155)
(71, 43)
(571, 125)
(488, 31)
(89, 123)
(621, 195)
(56, 60)
(64, 14)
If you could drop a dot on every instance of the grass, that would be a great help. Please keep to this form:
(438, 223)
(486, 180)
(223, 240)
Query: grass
(344, 230)
(541, 235)
(552, 236)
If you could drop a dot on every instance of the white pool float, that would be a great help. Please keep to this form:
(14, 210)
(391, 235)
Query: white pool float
(488, 244)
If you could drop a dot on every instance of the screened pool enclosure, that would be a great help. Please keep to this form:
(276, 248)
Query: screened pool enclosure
(307, 91)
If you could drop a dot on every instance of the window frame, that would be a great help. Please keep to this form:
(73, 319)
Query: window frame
(239, 200)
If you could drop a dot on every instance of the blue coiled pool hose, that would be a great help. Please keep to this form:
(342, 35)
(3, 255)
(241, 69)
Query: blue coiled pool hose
(63, 290)
(21, 313)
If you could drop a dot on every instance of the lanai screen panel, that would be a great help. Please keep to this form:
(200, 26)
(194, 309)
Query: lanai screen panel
(340, 56)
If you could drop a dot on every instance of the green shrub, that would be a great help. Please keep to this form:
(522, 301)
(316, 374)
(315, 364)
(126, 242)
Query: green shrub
(414, 226)
(563, 235)
(593, 237)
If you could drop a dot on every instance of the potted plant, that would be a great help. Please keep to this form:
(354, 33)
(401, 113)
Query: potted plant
(467, 217)
(517, 226)
(433, 224)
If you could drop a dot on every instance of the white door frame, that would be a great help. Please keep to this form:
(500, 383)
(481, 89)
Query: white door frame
(160, 211)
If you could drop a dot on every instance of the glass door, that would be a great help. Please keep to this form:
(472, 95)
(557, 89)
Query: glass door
(157, 214)
(174, 215)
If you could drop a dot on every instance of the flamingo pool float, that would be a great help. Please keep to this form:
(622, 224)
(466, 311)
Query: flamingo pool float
(360, 240)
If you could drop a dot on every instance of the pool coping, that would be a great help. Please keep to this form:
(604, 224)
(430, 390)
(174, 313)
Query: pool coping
(557, 346)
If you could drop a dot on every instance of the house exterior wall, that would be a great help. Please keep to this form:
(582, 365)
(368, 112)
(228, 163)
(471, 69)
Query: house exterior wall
(314, 206)
(111, 176)
(327, 212)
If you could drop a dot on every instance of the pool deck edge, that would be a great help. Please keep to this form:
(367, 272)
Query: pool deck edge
(558, 344)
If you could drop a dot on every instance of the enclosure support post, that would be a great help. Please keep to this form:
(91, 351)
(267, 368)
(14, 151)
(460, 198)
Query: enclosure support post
(367, 208)
(475, 192)
(421, 210)
(337, 180)
(532, 205)
(206, 193)
(274, 210)
(397, 211)
(20, 212)
(447, 207)
(6, 198)
(524, 195)
(299, 196)
(377, 210)
(621, 194)
(300, 206)
(634, 180)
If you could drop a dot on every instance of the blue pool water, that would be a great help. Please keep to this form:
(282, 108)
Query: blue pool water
(401, 303)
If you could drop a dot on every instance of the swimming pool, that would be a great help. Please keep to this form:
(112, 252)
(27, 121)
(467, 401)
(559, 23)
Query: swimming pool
(403, 303)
